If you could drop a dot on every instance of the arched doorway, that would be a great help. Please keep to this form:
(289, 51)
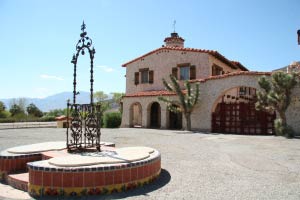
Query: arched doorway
(136, 115)
(234, 112)
(175, 120)
(155, 113)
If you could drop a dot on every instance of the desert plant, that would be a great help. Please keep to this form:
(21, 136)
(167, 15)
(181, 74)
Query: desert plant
(187, 100)
(276, 96)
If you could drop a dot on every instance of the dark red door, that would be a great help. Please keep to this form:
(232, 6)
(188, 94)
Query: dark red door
(242, 118)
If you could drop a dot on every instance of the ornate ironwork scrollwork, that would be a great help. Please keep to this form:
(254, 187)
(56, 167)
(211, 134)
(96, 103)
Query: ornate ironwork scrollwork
(84, 119)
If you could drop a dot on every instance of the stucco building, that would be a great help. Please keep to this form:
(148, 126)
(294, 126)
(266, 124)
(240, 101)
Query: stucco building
(227, 91)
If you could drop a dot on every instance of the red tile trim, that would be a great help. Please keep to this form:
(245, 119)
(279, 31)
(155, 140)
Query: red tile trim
(67, 180)
(88, 178)
(99, 178)
(78, 179)
(215, 54)
(251, 73)
(57, 178)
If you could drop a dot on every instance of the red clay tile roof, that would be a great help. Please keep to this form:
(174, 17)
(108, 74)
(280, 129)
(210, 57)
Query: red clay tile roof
(151, 93)
(239, 65)
(231, 74)
(61, 118)
(174, 38)
(216, 54)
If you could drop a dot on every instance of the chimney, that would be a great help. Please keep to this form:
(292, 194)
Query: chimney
(174, 41)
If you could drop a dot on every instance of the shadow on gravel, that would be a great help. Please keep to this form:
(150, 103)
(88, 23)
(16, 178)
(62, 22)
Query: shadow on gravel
(141, 192)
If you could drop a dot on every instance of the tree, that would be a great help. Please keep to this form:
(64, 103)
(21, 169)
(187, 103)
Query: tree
(276, 96)
(21, 102)
(117, 96)
(34, 110)
(2, 106)
(187, 100)
(3, 112)
(101, 98)
(16, 110)
(56, 112)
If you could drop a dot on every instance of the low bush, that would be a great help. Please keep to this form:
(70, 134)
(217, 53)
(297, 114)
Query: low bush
(47, 119)
(7, 120)
(26, 119)
(4, 114)
(112, 120)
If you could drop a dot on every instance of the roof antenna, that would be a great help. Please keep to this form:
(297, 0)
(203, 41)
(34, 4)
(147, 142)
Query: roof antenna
(174, 25)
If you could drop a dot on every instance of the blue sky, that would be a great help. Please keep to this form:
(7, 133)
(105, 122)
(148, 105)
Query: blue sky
(38, 38)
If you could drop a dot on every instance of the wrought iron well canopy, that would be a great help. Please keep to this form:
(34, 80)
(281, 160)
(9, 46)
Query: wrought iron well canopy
(83, 132)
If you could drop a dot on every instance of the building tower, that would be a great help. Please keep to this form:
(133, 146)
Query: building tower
(174, 40)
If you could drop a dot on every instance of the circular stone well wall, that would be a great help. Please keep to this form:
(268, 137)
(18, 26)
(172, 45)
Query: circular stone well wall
(80, 180)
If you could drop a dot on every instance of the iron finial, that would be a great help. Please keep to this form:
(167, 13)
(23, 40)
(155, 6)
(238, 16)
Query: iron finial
(174, 26)
(83, 26)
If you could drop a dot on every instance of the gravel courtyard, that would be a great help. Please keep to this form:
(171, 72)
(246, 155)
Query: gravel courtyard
(195, 165)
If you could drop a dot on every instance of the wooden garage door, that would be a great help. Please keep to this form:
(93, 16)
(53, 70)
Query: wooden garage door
(241, 118)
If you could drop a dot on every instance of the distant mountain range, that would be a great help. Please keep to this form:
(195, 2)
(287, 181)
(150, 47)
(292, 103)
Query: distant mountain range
(57, 101)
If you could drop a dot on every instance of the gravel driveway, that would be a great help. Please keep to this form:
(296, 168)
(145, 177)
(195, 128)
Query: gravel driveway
(196, 165)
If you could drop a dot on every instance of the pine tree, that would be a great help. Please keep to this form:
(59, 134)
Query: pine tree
(276, 96)
(187, 100)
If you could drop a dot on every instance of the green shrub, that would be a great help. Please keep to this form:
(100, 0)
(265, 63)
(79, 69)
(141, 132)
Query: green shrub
(26, 119)
(112, 120)
(7, 120)
(4, 114)
(47, 119)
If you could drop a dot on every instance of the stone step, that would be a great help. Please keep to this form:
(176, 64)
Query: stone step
(19, 181)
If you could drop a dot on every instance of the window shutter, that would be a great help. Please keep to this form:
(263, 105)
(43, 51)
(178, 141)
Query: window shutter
(213, 73)
(175, 72)
(136, 78)
(151, 76)
(192, 72)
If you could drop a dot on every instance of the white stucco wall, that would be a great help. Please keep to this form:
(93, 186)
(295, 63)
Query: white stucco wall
(293, 112)
(226, 68)
(162, 63)
(146, 103)
(210, 91)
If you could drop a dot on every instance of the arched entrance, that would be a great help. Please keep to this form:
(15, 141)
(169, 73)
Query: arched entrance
(155, 113)
(175, 120)
(136, 115)
(234, 112)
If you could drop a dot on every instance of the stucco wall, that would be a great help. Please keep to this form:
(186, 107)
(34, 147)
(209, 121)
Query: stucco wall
(226, 68)
(293, 112)
(162, 63)
(210, 91)
(145, 102)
